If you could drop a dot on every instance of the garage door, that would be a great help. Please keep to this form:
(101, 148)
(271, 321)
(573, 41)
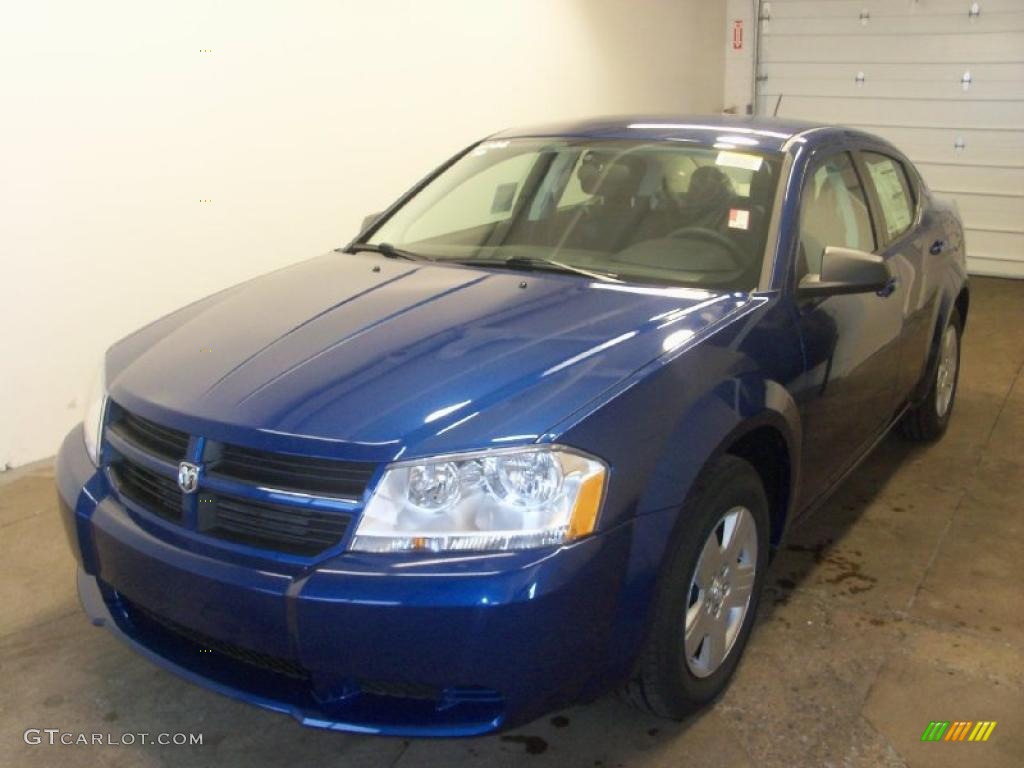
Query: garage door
(941, 79)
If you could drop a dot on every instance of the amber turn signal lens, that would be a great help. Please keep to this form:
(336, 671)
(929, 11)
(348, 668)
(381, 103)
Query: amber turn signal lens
(588, 504)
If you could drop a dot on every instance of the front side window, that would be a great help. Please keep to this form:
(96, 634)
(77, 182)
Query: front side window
(833, 211)
(630, 211)
(893, 190)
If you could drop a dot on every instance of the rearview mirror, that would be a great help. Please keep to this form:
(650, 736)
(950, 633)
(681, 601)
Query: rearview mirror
(847, 270)
(369, 221)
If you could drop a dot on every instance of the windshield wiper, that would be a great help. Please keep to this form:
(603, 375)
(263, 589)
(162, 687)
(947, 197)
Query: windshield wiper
(533, 263)
(387, 249)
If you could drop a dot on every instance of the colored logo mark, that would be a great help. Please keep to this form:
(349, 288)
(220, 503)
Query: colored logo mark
(958, 730)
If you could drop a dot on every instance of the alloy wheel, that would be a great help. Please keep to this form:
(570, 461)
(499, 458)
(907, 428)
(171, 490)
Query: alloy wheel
(945, 378)
(720, 591)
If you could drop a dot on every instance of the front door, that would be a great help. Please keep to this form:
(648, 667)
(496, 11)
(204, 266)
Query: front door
(851, 342)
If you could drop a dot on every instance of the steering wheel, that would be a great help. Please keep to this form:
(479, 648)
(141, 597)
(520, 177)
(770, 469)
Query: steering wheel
(711, 236)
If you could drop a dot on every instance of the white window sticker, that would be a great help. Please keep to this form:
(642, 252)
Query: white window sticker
(894, 201)
(738, 160)
(739, 219)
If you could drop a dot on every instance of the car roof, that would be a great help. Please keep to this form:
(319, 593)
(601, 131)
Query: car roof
(770, 133)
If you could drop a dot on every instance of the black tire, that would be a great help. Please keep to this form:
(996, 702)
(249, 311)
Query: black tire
(923, 422)
(663, 683)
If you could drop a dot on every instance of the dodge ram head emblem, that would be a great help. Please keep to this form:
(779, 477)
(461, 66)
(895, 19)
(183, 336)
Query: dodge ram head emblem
(188, 477)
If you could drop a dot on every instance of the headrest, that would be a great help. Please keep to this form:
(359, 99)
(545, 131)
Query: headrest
(708, 183)
(610, 174)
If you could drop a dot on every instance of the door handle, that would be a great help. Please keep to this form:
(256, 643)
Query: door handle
(888, 289)
(937, 247)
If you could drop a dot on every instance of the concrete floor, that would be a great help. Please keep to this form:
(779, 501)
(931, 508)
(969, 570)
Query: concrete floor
(900, 603)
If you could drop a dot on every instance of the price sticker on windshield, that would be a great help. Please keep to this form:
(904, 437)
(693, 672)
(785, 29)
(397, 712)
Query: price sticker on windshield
(739, 219)
(738, 160)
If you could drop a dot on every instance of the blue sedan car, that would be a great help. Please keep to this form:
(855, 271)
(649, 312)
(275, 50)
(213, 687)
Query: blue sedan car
(532, 436)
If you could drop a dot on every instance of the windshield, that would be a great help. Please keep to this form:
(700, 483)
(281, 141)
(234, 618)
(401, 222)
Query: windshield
(632, 211)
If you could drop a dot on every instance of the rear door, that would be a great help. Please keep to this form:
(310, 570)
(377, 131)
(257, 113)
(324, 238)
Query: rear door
(911, 241)
(851, 342)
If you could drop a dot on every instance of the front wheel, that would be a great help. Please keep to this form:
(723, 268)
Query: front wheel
(708, 595)
(928, 420)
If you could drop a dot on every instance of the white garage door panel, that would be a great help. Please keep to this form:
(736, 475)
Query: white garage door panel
(988, 210)
(781, 9)
(878, 72)
(968, 144)
(993, 115)
(896, 25)
(969, 49)
(979, 155)
(995, 267)
(990, 242)
(1010, 142)
(876, 87)
(966, 178)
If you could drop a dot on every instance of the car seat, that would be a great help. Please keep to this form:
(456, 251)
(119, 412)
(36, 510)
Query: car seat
(610, 219)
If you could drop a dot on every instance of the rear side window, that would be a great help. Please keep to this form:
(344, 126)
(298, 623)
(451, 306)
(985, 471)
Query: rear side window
(833, 211)
(893, 190)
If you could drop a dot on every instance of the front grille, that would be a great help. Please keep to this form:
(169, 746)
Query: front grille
(290, 472)
(153, 438)
(155, 492)
(284, 528)
(202, 642)
(232, 515)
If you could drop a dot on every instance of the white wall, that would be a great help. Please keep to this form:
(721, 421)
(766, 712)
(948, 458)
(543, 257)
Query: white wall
(115, 125)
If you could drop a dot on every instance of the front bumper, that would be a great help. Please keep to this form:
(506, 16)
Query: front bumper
(392, 644)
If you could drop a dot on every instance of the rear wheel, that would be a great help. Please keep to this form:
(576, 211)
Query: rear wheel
(709, 594)
(928, 420)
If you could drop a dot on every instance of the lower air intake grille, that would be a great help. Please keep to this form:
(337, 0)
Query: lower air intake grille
(263, 661)
(399, 690)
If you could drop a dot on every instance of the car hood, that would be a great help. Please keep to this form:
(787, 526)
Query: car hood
(377, 358)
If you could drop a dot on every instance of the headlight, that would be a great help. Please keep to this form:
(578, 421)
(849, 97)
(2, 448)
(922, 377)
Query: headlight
(494, 500)
(95, 405)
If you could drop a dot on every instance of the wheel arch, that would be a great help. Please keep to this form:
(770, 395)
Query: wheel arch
(765, 436)
(962, 304)
(769, 439)
(765, 448)
(949, 303)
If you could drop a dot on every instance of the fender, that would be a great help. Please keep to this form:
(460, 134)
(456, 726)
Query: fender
(722, 417)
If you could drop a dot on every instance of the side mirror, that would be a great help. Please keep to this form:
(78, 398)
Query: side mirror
(369, 221)
(847, 270)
